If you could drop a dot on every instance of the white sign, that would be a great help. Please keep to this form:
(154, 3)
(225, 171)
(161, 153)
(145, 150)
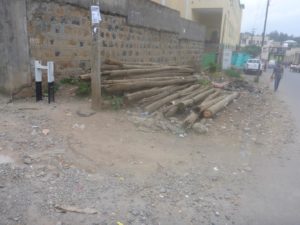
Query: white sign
(227, 55)
(96, 16)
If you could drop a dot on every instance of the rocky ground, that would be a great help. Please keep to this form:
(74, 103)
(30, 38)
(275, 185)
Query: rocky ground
(111, 168)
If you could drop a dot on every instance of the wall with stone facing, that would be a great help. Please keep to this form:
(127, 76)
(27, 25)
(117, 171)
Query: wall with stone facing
(14, 53)
(60, 32)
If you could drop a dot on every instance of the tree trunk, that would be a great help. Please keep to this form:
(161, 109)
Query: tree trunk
(206, 104)
(190, 120)
(130, 86)
(116, 82)
(135, 96)
(188, 102)
(169, 74)
(107, 67)
(85, 76)
(151, 99)
(128, 72)
(212, 96)
(113, 62)
(156, 105)
(211, 111)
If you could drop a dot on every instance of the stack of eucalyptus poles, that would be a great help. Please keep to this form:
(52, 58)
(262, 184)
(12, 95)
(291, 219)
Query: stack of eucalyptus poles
(169, 89)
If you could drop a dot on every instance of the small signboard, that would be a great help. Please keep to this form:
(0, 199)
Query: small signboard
(227, 55)
(96, 16)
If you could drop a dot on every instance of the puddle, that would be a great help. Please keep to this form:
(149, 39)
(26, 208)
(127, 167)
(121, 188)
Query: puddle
(5, 159)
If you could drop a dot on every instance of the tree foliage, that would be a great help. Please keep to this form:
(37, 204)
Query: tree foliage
(282, 37)
(252, 50)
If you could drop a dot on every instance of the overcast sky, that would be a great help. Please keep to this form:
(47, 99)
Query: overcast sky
(284, 16)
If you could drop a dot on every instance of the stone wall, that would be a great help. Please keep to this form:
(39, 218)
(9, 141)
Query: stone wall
(14, 55)
(60, 32)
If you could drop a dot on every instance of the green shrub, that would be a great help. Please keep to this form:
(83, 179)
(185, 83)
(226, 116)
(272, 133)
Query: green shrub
(204, 82)
(84, 89)
(116, 102)
(69, 80)
(214, 67)
(233, 73)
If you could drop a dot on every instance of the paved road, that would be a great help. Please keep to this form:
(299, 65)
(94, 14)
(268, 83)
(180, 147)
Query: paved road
(289, 91)
(273, 196)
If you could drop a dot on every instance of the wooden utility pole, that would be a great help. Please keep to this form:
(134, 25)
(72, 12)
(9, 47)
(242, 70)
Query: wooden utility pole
(264, 33)
(265, 25)
(96, 55)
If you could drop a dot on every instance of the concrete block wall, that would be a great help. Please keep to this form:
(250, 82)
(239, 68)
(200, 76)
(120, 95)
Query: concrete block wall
(61, 33)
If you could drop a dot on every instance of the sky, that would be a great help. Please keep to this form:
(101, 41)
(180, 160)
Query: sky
(284, 16)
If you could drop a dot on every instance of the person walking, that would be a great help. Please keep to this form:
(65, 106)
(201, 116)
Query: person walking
(277, 75)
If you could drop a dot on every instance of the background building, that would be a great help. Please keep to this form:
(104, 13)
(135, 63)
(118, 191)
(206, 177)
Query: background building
(250, 39)
(222, 18)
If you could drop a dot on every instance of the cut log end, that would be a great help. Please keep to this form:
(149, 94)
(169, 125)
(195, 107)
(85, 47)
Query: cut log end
(207, 114)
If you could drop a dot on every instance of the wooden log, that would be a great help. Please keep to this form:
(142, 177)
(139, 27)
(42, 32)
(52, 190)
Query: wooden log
(149, 100)
(128, 67)
(106, 67)
(145, 71)
(130, 86)
(135, 96)
(212, 96)
(158, 74)
(190, 120)
(156, 105)
(190, 95)
(113, 62)
(210, 112)
(85, 76)
(116, 82)
(207, 103)
(189, 102)
(197, 111)
(169, 74)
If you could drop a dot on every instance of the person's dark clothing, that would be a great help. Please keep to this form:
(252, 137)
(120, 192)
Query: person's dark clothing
(278, 71)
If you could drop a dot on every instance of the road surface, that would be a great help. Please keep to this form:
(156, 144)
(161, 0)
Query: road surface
(289, 92)
(273, 198)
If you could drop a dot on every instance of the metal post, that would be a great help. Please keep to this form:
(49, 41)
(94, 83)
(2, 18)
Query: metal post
(51, 84)
(96, 56)
(38, 81)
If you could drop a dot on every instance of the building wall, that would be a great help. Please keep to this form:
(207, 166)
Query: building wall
(61, 33)
(14, 55)
(231, 16)
(248, 39)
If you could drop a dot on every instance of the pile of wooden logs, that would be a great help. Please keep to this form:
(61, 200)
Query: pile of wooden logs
(168, 89)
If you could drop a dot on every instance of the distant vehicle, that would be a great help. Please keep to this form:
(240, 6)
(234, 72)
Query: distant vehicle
(295, 68)
(271, 64)
(253, 66)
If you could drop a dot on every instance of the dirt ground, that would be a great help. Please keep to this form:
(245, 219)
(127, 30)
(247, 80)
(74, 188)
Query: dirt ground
(60, 155)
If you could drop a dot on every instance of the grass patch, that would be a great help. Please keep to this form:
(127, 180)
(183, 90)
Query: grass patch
(116, 102)
(214, 67)
(233, 73)
(83, 87)
(204, 82)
